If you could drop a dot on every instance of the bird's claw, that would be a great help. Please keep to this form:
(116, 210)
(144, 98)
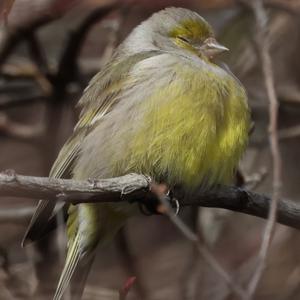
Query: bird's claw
(93, 182)
(174, 203)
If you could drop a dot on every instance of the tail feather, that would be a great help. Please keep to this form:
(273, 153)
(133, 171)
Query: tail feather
(39, 221)
(75, 271)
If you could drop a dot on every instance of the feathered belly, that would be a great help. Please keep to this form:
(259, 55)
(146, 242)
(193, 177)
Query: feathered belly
(190, 127)
(193, 138)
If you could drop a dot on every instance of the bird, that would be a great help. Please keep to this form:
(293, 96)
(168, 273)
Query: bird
(161, 106)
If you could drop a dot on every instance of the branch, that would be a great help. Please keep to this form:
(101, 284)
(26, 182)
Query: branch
(8, 102)
(5, 8)
(14, 38)
(68, 69)
(289, 132)
(25, 31)
(285, 6)
(281, 5)
(123, 292)
(72, 191)
(16, 214)
(36, 53)
(203, 250)
(263, 45)
(18, 130)
(134, 187)
(53, 84)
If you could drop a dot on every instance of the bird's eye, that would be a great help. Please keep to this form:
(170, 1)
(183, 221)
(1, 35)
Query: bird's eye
(183, 39)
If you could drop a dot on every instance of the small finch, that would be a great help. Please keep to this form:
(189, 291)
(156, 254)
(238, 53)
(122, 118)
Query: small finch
(160, 107)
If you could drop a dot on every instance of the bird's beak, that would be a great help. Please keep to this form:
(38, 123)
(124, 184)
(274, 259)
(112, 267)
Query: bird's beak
(211, 48)
(218, 48)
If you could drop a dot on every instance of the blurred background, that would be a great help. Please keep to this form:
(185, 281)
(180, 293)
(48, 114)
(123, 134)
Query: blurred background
(49, 49)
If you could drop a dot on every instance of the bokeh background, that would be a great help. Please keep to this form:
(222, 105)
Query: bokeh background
(49, 49)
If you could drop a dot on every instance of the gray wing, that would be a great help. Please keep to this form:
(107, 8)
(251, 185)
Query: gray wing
(98, 99)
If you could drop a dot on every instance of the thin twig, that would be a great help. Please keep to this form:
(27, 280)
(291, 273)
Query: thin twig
(18, 35)
(67, 73)
(111, 190)
(25, 31)
(68, 68)
(16, 214)
(36, 53)
(5, 8)
(290, 132)
(252, 181)
(18, 130)
(124, 290)
(190, 271)
(263, 47)
(134, 187)
(29, 71)
(205, 253)
(129, 262)
(8, 102)
(285, 6)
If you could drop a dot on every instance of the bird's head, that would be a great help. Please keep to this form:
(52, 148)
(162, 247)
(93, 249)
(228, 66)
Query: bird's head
(177, 29)
(196, 35)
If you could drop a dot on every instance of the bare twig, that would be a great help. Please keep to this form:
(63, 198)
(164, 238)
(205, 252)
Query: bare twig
(253, 180)
(37, 53)
(285, 6)
(281, 5)
(111, 190)
(263, 47)
(25, 31)
(134, 187)
(6, 102)
(129, 262)
(205, 253)
(67, 73)
(5, 8)
(290, 132)
(18, 35)
(11, 128)
(16, 214)
(68, 69)
(190, 271)
(123, 292)
(29, 71)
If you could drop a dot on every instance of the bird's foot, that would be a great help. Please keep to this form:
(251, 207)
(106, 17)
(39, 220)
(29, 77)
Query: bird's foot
(173, 202)
(93, 182)
(153, 204)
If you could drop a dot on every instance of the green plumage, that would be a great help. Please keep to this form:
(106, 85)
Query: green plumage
(204, 113)
(159, 107)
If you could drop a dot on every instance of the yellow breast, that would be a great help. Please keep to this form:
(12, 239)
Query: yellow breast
(194, 131)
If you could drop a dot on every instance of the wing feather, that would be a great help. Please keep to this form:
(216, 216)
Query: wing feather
(98, 99)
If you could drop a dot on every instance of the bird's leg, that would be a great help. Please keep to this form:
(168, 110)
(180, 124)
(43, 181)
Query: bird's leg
(93, 182)
(153, 205)
(173, 201)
